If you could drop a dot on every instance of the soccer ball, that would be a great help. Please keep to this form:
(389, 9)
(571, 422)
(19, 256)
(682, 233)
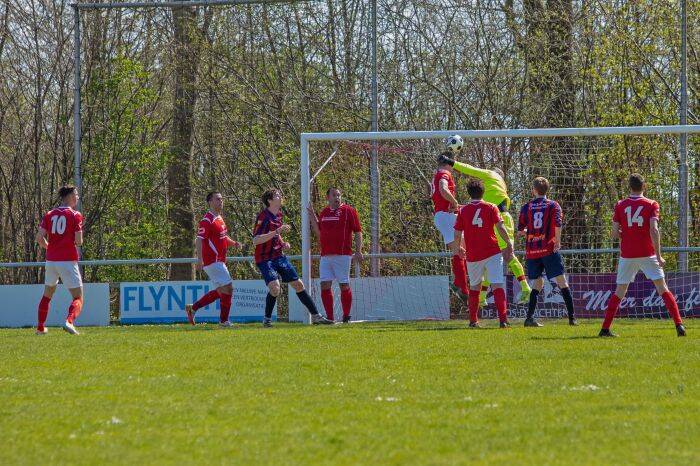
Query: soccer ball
(454, 143)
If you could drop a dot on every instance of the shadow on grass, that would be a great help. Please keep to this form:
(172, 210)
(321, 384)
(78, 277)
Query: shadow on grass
(587, 337)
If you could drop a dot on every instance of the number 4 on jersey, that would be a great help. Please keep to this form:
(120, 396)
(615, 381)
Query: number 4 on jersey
(636, 218)
(477, 220)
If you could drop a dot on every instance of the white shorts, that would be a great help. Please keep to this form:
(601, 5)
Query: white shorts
(67, 271)
(445, 223)
(335, 268)
(627, 269)
(493, 266)
(218, 274)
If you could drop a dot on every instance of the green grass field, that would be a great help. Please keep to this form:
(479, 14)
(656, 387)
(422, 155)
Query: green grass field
(375, 394)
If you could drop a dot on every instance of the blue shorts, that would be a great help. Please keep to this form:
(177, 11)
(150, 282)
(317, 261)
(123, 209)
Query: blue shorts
(552, 264)
(278, 268)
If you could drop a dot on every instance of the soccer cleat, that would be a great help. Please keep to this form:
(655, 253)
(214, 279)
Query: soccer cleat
(474, 325)
(317, 319)
(504, 324)
(573, 322)
(605, 332)
(456, 290)
(531, 322)
(267, 323)
(680, 330)
(68, 327)
(225, 324)
(190, 313)
(42, 331)
(346, 319)
(524, 297)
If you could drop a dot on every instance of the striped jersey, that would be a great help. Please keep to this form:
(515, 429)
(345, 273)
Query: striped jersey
(265, 223)
(539, 217)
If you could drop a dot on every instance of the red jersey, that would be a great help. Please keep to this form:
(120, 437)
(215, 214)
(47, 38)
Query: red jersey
(265, 223)
(634, 215)
(61, 224)
(477, 220)
(337, 227)
(213, 232)
(541, 217)
(440, 203)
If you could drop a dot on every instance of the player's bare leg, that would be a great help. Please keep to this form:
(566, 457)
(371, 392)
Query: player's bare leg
(43, 310)
(537, 287)
(74, 310)
(671, 305)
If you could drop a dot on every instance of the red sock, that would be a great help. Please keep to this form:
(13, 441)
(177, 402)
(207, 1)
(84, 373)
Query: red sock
(459, 270)
(613, 304)
(474, 305)
(74, 309)
(672, 307)
(346, 301)
(327, 298)
(225, 307)
(206, 300)
(499, 295)
(43, 312)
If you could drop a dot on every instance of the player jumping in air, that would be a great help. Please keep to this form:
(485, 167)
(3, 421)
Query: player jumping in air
(271, 261)
(480, 221)
(61, 234)
(335, 227)
(445, 215)
(211, 244)
(495, 192)
(540, 222)
(636, 225)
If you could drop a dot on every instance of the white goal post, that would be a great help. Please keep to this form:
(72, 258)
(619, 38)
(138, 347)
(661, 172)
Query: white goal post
(306, 175)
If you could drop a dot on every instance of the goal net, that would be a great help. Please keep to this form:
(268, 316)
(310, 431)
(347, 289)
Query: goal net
(408, 275)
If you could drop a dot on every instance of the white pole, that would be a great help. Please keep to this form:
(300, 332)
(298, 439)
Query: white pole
(305, 227)
(683, 149)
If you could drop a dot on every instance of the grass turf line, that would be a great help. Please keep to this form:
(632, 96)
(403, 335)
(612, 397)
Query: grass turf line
(381, 393)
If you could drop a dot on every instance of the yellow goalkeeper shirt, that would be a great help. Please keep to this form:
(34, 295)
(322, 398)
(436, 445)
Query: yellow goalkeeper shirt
(495, 189)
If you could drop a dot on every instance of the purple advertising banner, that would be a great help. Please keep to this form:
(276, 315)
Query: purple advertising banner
(591, 293)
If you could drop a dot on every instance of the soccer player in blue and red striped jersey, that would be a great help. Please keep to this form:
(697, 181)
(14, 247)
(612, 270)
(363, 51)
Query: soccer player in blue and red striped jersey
(271, 261)
(540, 222)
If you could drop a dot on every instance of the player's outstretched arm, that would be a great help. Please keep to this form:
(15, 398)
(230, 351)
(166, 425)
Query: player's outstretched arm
(232, 243)
(265, 237)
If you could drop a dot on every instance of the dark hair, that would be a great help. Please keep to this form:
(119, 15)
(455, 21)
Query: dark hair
(332, 188)
(268, 195)
(636, 182)
(210, 195)
(475, 188)
(541, 185)
(66, 191)
(440, 158)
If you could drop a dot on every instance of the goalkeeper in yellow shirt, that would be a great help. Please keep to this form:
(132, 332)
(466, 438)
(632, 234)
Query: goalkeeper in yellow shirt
(496, 192)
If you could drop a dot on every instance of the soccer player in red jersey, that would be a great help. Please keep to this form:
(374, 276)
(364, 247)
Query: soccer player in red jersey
(61, 234)
(445, 207)
(540, 222)
(636, 225)
(271, 261)
(335, 227)
(477, 222)
(211, 244)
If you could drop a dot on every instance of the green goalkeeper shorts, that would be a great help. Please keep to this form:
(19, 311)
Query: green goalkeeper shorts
(510, 228)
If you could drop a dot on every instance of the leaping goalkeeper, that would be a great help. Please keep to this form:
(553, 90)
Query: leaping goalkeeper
(495, 192)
